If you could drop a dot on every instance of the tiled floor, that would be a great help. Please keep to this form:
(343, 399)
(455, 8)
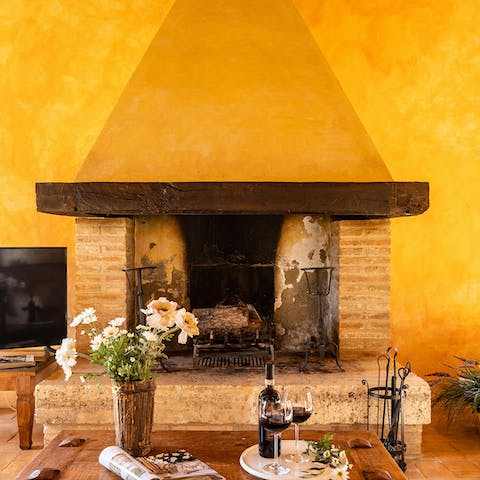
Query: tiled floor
(446, 453)
(12, 459)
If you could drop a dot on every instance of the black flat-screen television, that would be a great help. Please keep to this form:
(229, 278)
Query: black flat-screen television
(33, 296)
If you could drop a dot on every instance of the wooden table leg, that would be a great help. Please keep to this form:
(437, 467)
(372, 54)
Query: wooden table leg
(25, 409)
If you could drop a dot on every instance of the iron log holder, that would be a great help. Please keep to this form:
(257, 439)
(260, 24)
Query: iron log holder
(140, 303)
(319, 280)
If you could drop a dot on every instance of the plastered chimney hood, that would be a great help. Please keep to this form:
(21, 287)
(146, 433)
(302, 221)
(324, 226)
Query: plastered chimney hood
(233, 98)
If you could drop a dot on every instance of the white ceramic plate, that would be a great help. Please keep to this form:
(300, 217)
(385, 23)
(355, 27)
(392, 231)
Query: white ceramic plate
(253, 463)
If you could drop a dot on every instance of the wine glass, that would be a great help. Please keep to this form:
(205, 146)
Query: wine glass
(276, 416)
(302, 406)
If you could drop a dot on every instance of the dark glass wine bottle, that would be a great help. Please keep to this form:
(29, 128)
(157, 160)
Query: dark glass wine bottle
(268, 394)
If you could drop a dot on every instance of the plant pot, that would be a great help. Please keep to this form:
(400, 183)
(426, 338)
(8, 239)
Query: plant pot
(133, 415)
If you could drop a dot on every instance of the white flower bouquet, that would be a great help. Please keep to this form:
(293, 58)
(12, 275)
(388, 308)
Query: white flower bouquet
(129, 356)
(326, 453)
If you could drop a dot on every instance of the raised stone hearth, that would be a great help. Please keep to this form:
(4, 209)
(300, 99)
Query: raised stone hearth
(217, 399)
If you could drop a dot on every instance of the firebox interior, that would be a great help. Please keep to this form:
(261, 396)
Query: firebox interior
(231, 260)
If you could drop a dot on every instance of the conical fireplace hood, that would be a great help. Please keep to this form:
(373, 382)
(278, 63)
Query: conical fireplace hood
(233, 90)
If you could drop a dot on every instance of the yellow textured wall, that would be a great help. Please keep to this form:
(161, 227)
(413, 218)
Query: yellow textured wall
(63, 65)
(410, 69)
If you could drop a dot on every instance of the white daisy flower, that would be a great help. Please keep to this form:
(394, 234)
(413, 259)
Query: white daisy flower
(96, 342)
(89, 316)
(110, 332)
(339, 474)
(76, 320)
(117, 322)
(66, 356)
(150, 336)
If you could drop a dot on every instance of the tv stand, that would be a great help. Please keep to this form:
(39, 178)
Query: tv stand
(23, 381)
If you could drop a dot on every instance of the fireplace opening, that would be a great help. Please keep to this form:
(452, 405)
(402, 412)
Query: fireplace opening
(230, 264)
(243, 276)
(231, 260)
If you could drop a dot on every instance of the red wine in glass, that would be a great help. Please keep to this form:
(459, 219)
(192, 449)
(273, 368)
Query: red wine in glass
(300, 414)
(275, 417)
(302, 406)
(276, 423)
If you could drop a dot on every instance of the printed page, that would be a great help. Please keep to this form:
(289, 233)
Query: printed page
(124, 465)
(179, 465)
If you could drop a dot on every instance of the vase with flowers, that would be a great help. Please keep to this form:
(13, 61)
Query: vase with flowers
(128, 358)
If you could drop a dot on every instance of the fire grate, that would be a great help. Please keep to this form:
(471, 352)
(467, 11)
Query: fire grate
(231, 359)
(231, 336)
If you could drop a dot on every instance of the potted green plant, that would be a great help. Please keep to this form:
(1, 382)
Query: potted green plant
(458, 389)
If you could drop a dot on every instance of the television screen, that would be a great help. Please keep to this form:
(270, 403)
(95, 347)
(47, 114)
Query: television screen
(33, 296)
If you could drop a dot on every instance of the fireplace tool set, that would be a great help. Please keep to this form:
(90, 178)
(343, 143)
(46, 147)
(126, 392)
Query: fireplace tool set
(319, 281)
(387, 399)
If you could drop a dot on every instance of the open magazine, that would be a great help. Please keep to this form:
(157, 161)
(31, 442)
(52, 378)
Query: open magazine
(172, 465)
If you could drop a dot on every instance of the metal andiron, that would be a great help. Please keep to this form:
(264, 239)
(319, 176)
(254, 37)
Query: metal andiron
(138, 290)
(140, 304)
(387, 398)
(319, 280)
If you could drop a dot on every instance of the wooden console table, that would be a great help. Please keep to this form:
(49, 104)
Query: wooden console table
(23, 381)
(219, 449)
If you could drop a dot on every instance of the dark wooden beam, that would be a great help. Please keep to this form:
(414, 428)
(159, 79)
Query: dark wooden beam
(339, 199)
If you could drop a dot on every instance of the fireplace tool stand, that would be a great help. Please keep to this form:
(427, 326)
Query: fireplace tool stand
(388, 398)
(319, 280)
(140, 303)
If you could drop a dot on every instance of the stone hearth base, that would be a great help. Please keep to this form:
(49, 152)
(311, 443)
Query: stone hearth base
(219, 399)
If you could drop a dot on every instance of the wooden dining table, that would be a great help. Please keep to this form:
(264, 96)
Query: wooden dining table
(221, 450)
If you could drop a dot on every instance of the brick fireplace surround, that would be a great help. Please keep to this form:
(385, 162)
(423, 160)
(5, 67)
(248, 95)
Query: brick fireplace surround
(223, 399)
(104, 246)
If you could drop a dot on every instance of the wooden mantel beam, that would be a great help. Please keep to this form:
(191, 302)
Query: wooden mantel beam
(339, 199)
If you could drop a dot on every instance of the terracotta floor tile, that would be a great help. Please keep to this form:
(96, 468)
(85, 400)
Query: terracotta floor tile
(5, 476)
(434, 469)
(7, 414)
(6, 447)
(471, 476)
(7, 432)
(461, 467)
(20, 461)
(6, 458)
(413, 473)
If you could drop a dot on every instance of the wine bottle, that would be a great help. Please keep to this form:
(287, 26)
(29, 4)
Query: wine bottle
(268, 394)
